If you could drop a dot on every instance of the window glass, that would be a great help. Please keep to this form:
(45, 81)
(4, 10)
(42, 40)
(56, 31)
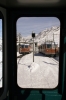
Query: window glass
(22, 46)
(26, 46)
(38, 66)
(49, 45)
(0, 52)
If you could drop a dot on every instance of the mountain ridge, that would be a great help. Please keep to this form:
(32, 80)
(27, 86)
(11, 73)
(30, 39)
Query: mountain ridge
(49, 34)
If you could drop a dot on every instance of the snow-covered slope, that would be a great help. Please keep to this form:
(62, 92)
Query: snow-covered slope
(47, 34)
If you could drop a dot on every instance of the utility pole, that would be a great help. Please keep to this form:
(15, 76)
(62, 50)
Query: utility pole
(33, 35)
(20, 36)
(53, 36)
(54, 42)
(19, 40)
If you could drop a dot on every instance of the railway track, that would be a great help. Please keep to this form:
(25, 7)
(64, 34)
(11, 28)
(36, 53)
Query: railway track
(55, 60)
(19, 58)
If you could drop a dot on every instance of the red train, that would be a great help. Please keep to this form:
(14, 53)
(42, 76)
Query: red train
(24, 48)
(49, 48)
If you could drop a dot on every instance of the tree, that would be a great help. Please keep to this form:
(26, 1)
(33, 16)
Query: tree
(19, 37)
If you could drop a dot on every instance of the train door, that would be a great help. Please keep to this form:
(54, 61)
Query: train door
(19, 93)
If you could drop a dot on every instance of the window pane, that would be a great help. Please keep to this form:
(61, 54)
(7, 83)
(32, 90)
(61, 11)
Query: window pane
(22, 46)
(38, 63)
(48, 45)
(26, 46)
(0, 53)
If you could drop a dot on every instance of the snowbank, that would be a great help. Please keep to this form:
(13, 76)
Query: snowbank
(42, 73)
(18, 54)
(33, 66)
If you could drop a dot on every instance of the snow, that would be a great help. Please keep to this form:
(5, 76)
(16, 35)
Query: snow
(18, 54)
(33, 66)
(48, 35)
(42, 73)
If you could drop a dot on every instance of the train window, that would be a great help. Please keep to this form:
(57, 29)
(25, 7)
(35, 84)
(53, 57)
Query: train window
(22, 46)
(38, 66)
(26, 46)
(1, 53)
(49, 45)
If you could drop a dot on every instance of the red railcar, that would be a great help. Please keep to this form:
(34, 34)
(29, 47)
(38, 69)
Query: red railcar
(49, 48)
(24, 48)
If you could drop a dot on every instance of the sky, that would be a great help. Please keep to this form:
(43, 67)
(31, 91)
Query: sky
(27, 25)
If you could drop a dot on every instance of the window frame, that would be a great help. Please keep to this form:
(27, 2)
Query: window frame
(2, 88)
(41, 47)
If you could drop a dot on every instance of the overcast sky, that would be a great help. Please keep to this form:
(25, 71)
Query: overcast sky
(25, 25)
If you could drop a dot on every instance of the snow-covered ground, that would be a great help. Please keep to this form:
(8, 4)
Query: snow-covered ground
(18, 54)
(42, 73)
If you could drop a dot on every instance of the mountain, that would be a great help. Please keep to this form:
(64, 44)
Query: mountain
(29, 38)
(49, 34)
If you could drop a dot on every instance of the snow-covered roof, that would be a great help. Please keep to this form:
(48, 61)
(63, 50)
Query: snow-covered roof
(24, 44)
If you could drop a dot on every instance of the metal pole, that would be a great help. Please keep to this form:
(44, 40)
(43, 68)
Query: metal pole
(33, 35)
(19, 42)
(33, 49)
